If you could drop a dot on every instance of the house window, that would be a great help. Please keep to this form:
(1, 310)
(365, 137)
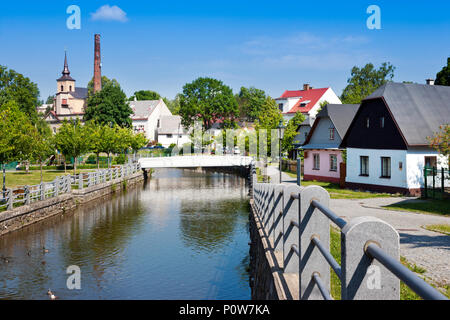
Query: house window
(364, 166)
(169, 136)
(382, 122)
(280, 106)
(367, 122)
(331, 133)
(333, 162)
(62, 88)
(430, 162)
(158, 123)
(316, 161)
(385, 167)
(70, 88)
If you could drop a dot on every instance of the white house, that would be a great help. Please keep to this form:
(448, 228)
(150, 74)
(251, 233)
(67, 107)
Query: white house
(387, 146)
(147, 115)
(171, 131)
(306, 101)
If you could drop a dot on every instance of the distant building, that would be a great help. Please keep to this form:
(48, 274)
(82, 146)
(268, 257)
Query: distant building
(70, 101)
(306, 101)
(387, 146)
(146, 117)
(171, 131)
(322, 156)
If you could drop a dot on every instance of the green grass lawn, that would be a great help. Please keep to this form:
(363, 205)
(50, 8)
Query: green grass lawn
(442, 228)
(441, 207)
(21, 178)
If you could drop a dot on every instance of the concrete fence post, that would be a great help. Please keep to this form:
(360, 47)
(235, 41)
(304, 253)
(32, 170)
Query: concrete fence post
(27, 195)
(69, 184)
(42, 191)
(80, 181)
(10, 202)
(278, 208)
(362, 277)
(268, 222)
(313, 223)
(290, 232)
(56, 186)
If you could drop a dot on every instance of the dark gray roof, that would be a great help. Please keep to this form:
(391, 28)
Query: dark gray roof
(418, 109)
(80, 93)
(341, 115)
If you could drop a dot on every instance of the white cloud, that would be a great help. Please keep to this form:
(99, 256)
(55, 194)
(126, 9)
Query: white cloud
(108, 13)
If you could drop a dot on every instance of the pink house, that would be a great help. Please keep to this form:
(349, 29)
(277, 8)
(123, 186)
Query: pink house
(321, 149)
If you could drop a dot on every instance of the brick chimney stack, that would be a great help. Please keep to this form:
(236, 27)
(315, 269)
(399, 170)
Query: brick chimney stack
(97, 65)
(306, 87)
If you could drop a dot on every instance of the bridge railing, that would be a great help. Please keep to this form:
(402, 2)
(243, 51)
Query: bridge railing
(297, 222)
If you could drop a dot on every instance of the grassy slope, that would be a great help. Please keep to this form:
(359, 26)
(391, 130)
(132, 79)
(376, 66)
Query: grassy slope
(20, 178)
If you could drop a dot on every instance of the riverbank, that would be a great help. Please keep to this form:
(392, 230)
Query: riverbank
(23, 216)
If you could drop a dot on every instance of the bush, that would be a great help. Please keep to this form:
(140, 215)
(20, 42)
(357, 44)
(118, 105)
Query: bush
(92, 159)
(120, 159)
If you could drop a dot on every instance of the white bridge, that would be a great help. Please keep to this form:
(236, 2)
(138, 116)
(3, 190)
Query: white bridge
(196, 161)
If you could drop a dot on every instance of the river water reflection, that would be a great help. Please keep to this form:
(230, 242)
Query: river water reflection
(183, 235)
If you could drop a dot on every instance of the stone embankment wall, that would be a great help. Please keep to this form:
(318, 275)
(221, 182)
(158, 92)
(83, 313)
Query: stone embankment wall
(267, 280)
(26, 215)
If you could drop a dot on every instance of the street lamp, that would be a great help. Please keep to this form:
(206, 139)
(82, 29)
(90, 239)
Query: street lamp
(281, 128)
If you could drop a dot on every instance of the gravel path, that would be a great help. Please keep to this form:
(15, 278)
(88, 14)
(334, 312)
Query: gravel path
(427, 249)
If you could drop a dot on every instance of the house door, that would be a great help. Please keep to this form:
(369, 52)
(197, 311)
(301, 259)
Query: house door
(342, 173)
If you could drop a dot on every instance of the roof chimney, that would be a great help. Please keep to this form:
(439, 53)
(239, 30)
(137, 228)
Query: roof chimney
(97, 65)
(430, 82)
(306, 87)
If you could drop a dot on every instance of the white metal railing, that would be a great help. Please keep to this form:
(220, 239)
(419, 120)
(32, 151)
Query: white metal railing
(12, 198)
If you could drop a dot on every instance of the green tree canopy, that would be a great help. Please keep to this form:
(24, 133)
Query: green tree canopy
(16, 87)
(72, 140)
(251, 103)
(440, 141)
(43, 143)
(291, 131)
(443, 76)
(365, 81)
(105, 81)
(145, 95)
(207, 100)
(109, 106)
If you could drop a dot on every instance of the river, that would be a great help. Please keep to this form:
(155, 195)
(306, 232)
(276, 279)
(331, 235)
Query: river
(181, 235)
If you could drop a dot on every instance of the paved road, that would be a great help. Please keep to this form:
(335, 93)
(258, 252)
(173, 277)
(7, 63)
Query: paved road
(427, 249)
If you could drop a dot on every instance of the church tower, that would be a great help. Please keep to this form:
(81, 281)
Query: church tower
(66, 83)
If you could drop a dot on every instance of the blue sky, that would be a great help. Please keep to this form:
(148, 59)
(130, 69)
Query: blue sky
(272, 45)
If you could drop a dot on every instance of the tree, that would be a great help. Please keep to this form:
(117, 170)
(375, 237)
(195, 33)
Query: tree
(440, 141)
(322, 104)
(73, 140)
(443, 76)
(269, 119)
(145, 95)
(207, 100)
(174, 105)
(108, 106)
(43, 143)
(138, 141)
(251, 102)
(16, 87)
(15, 142)
(105, 81)
(365, 81)
(291, 131)
(50, 100)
